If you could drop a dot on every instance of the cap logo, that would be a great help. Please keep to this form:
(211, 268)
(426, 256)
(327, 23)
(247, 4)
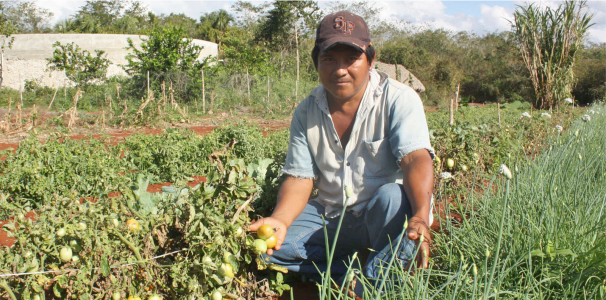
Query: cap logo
(346, 26)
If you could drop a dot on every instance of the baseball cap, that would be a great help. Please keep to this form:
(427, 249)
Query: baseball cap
(343, 27)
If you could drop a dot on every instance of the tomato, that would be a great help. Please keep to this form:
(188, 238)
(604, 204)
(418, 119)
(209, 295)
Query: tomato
(464, 168)
(450, 163)
(238, 231)
(265, 231)
(75, 245)
(81, 226)
(216, 295)
(272, 241)
(66, 254)
(134, 298)
(27, 254)
(36, 297)
(154, 297)
(61, 232)
(75, 258)
(260, 246)
(226, 270)
(133, 225)
(115, 222)
(116, 296)
(227, 257)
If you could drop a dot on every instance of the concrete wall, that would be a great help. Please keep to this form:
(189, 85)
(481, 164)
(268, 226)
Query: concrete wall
(27, 58)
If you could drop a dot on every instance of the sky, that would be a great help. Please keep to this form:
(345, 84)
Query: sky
(476, 16)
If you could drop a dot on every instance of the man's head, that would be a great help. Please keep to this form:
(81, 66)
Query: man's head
(343, 28)
(343, 56)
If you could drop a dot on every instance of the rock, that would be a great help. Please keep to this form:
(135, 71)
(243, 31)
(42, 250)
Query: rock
(402, 75)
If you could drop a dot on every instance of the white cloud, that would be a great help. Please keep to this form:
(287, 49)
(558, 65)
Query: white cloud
(431, 13)
(495, 18)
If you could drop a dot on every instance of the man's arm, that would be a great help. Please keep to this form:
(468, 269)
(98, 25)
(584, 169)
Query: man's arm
(292, 198)
(417, 167)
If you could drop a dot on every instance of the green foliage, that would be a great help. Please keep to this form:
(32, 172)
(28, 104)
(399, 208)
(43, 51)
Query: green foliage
(26, 16)
(106, 16)
(213, 25)
(549, 40)
(590, 74)
(278, 28)
(79, 65)
(169, 57)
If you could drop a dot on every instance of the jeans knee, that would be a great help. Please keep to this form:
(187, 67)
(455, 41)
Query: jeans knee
(390, 197)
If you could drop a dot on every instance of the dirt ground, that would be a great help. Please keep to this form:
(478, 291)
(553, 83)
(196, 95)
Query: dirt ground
(42, 128)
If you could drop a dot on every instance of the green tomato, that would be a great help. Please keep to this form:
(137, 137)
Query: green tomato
(154, 297)
(226, 270)
(81, 226)
(216, 295)
(226, 257)
(75, 258)
(238, 231)
(36, 297)
(27, 254)
(116, 296)
(260, 246)
(65, 254)
(450, 163)
(61, 232)
(75, 245)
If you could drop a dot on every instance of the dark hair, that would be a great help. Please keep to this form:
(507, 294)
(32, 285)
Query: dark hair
(370, 54)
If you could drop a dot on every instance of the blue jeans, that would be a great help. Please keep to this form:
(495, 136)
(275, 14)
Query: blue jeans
(379, 228)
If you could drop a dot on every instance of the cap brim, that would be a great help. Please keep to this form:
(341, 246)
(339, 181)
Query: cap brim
(356, 43)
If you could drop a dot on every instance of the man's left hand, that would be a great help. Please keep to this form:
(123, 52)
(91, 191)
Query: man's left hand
(417, 227)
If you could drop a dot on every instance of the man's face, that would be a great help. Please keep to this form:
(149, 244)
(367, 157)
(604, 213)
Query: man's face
(344, 72)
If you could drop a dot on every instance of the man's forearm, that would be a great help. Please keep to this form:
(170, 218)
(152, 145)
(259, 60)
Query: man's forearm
(292, 198)
(418, 182)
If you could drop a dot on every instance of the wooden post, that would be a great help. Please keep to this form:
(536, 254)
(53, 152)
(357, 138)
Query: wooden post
(53, 100)
(147, 84)
(457, 97)
(499, 112)
(451, 111)
(297, 45)
(248, 84)
(203, 95)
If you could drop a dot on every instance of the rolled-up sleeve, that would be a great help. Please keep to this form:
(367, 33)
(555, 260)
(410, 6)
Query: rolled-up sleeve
(299, 161)
(408, 126)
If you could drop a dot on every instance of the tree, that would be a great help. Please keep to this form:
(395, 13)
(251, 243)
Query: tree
(287, 19)
(549, 40)
(168, 56)
(79, 65)
(214, 25)
(27, 17)
(6, 30)
(109, 16)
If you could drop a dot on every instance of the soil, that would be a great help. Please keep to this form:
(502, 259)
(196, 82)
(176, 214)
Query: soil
(117, 134)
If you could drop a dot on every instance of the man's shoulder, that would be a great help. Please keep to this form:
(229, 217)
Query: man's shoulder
(396, 88)
(306, 104)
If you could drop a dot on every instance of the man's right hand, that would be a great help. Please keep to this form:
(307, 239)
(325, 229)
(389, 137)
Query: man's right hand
(279, 227)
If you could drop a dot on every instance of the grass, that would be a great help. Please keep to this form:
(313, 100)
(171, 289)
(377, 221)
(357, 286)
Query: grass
(540, 235)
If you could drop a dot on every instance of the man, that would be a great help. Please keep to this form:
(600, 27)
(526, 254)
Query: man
(358, 129)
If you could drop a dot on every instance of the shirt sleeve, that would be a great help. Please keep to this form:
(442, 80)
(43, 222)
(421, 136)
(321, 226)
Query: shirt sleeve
(408, 125)
(299, 161)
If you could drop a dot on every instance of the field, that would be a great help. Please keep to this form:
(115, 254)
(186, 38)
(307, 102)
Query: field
(164, 212)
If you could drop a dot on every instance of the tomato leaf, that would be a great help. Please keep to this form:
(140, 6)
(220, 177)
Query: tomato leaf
(104, 266)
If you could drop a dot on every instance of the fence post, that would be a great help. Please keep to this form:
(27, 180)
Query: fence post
(203, 95)
(451, 111)
(457, 97)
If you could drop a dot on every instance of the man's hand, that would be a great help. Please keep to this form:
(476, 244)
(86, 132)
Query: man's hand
(278, 226)
(417, 227)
